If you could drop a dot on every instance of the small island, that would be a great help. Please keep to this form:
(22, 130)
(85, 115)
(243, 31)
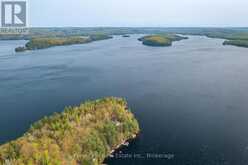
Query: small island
(125, 35)
(85, 134)
(47, 42)
(240, 43)
(160, 40)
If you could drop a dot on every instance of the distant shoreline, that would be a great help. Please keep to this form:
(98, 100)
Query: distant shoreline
(230, 34)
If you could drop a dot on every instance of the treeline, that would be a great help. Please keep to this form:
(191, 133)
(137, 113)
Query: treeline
(223, 33)
(85, 134)
(80, 31)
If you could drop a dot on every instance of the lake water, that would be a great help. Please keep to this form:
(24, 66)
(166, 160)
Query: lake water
(191, 99)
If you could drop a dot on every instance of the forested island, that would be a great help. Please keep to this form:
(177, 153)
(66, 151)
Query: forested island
(85, 134)
(46, 42)
(160, 40)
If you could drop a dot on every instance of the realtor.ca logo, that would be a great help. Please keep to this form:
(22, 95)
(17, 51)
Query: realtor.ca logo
(14, 17)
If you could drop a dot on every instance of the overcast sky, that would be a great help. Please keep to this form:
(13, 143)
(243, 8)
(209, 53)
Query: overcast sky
(162, 13)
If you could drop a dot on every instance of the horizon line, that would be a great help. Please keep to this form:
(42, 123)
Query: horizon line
(138, 27)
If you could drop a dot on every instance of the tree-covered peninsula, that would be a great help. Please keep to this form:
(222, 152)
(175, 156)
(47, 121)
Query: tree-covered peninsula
(160, 39)
(85, 135)
(240, 43)
(46, 42)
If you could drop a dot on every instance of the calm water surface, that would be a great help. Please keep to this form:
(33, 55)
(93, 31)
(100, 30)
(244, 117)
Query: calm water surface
(191, 99)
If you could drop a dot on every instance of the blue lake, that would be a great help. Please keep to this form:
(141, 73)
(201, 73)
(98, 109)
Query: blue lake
(191, 99)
